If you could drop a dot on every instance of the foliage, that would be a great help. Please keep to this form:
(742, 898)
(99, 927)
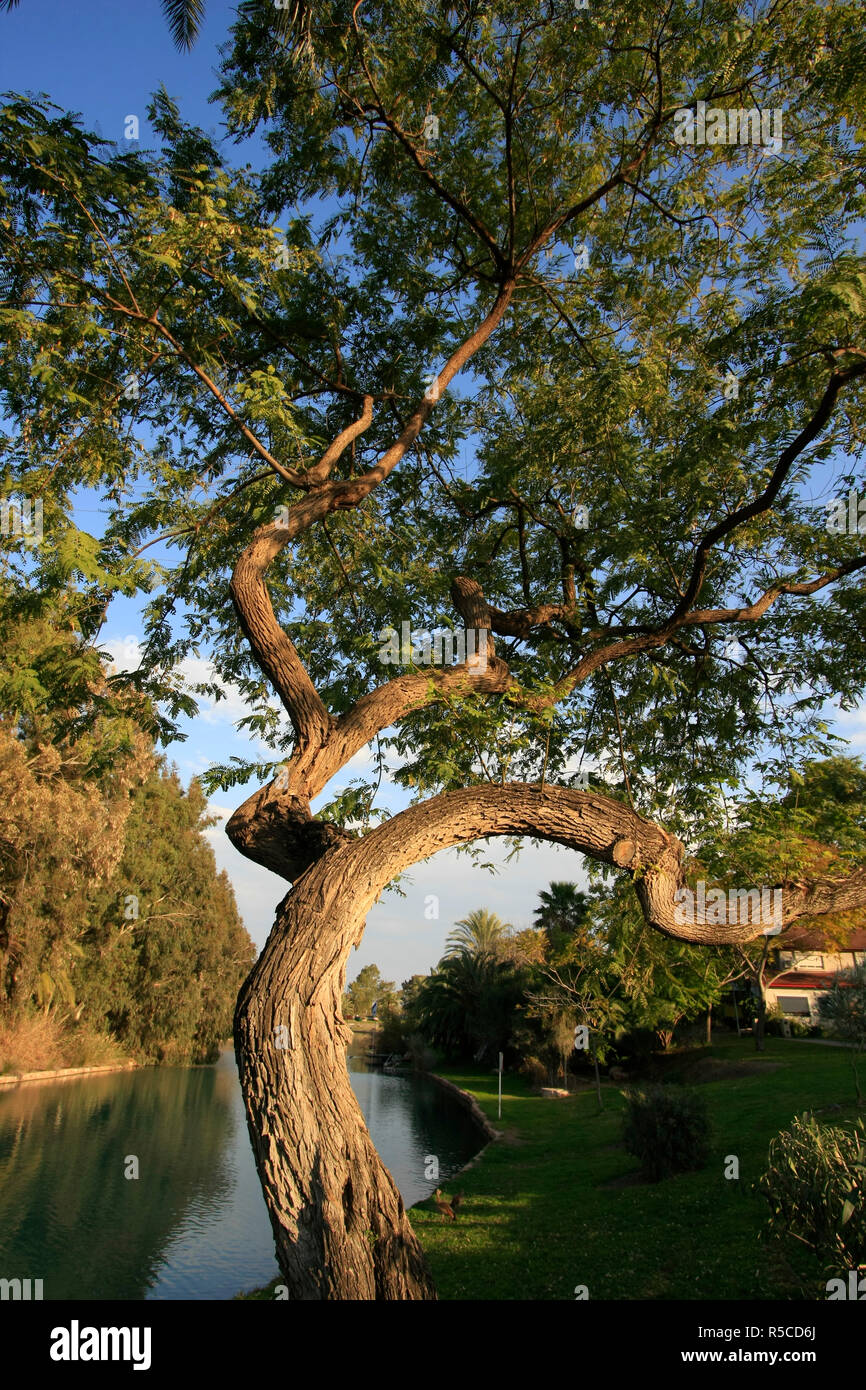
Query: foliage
(467, 1005)
(481, 933)
(667, 1128)
(365, 990)
(561, 913)
(535, 1072)
(605, 971)
(39, 1041)
(815, 823)
(603, 388)
(391, 1026)
(815, 1185)
(166, 980)
(115, 921)
(613, 975)
(844, 1008)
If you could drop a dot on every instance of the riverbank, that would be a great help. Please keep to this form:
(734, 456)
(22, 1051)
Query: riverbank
(559, 1203)
(468, 1101)
(479, 1128)
(37, 1043)
(12, 1079)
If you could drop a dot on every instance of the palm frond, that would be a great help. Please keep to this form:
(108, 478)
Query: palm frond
(185, 18)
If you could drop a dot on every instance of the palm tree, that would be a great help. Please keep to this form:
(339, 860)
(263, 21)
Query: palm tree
(184, 18)
(479, 935)
(467, 1004)
(563, 909)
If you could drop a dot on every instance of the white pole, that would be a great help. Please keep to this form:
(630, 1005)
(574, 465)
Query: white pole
(500, 1086)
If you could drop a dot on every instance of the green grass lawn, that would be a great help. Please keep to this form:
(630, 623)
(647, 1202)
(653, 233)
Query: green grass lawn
(538, 1217)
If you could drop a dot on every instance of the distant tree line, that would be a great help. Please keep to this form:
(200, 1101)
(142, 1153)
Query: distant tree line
(115, 924)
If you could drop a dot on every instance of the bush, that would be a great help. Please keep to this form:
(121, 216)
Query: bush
(39, 1042)
(422, 1057)
(802, 1028)
(773, 1020)
(535, 1072)
(667, 1129)
(815, 1184)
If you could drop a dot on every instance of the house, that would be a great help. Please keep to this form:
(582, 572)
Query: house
(804, 965)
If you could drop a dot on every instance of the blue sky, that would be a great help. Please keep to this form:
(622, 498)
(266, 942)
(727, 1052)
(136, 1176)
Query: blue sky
(104, 59)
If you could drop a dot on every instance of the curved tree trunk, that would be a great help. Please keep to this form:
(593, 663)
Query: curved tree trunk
(340, 1227)
(339, 1223)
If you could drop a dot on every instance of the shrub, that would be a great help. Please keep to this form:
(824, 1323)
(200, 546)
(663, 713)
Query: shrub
(422, 1057)
(667, 1129)
(535, 1072)
(802, 1028)
(40, 1042)
(815, 1185)
(773, 1020)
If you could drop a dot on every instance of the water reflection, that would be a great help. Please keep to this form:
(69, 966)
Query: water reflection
(411, 1119)
(194, 1223)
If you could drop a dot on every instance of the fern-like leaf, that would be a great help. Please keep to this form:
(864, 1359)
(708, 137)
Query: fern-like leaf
(185, 19)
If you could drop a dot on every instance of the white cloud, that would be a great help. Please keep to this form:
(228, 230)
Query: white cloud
(851, 724)
(126, 652)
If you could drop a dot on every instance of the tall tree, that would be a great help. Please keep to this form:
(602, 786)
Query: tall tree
(658, 330)
(164, 948)
(367, 989)
(114, 914)
(562, 911)
(480, 933)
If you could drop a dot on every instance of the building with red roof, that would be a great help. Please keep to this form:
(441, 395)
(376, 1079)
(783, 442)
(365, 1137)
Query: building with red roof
(805, 964)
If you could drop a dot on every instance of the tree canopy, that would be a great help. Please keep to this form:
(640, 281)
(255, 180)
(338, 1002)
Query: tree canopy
(622, 516)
